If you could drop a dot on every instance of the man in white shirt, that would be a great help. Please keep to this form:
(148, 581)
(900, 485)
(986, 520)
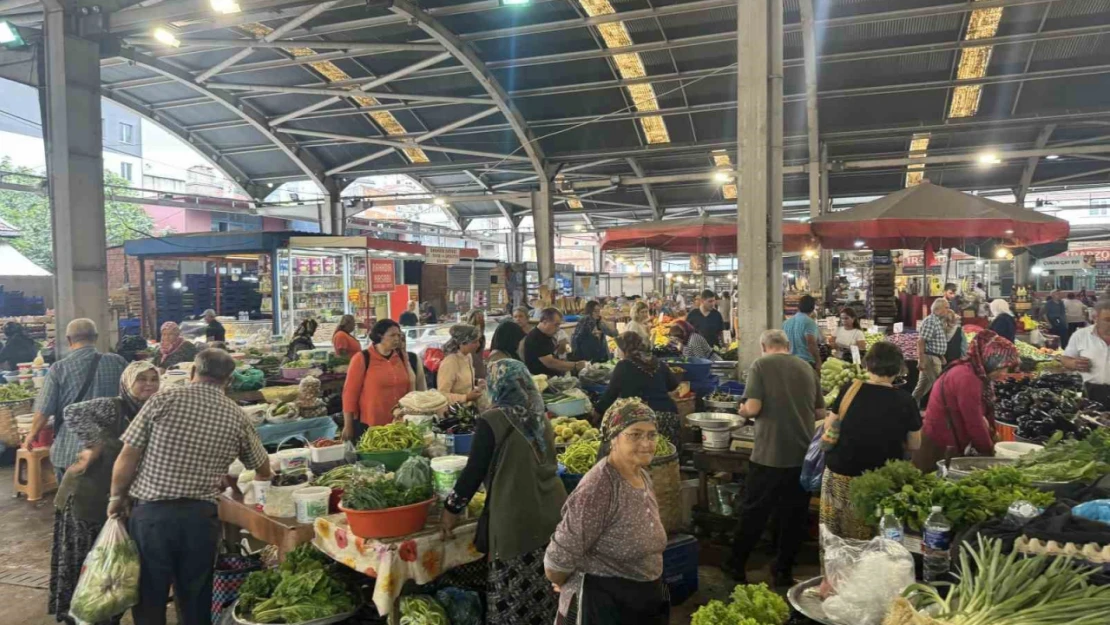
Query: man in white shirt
(1088, 352)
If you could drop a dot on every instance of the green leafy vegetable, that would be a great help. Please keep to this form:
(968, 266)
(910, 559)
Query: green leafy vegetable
(383, 494)
(305, 587)
(760, 603)
(414, 473)
(422, 610)
(109, 582)
(1069, 460)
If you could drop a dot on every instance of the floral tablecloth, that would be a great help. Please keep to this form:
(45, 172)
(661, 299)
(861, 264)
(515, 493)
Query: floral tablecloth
(421, 557)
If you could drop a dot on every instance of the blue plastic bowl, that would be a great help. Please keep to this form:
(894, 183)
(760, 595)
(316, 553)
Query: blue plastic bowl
(697, 369)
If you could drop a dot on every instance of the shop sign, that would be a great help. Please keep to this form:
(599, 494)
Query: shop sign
(441, 256)
(381, 275)
(856, 258)
(1058, 263)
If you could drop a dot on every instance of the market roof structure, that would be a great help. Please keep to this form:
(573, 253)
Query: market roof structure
(631, 102)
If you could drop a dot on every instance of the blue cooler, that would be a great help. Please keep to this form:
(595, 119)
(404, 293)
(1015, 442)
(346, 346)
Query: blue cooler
(680, 567)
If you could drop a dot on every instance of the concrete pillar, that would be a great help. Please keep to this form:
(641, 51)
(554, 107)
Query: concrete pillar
(516, 242)
(1022, 268)
(544, 226)
(752, 301)
(336, 216)
(657, 271)
(75, 168)
(775, 154)
(809, 51)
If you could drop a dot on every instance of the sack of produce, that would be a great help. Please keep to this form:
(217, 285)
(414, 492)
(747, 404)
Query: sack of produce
(415, 472)
(464, 607)
(424, 402)
(866, 576)
(422, 610)
(247, 380)
(109, 582)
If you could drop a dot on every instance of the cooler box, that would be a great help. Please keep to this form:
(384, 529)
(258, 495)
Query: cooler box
(680, 567)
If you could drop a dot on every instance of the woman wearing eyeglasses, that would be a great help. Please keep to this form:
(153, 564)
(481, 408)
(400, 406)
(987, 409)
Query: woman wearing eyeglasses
(606, 557)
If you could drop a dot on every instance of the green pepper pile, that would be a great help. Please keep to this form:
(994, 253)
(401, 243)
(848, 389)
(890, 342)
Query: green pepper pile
(15, 392)
(392, 437)
(580, 457)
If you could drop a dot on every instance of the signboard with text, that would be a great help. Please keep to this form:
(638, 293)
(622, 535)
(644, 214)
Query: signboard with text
(441, 255)
(381, 275)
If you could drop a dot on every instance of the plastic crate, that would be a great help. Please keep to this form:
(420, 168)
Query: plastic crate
(680, 567)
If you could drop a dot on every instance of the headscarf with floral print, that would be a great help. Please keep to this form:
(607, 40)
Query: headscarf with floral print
(623, 414)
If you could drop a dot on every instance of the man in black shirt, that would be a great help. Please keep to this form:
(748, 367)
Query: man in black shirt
(540, 348)
(215, 331)
(706, 320)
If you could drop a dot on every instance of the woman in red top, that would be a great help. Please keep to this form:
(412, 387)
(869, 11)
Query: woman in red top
(373, 390)
(343, 340)
(961, 403)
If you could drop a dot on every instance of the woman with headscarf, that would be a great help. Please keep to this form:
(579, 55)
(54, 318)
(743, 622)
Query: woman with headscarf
(589, 341)
(505, 342)
(606, 557)
(174, 349)
(639, 374)
(641, 318)
(523, 496)
(82, 499)
(961, 404)
(1003, 324)
(456, 378)
(690, 342)
(343, 340)
(477, 318)
(302, 339)
(18, 347)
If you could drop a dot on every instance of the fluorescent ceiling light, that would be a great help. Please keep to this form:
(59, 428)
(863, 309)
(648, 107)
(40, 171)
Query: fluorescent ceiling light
(722, 176)
(989, 158)
(164, 36)
(511, 3)
(859, 243)
(439, 201)
(224, 6)
(1052, 157)
(9, 36)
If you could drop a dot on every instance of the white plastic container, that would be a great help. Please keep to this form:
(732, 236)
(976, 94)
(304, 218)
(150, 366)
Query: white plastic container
(333, 453)
(1014, 449)
(260, 487)
(289, 459)
(445, 472)
(279, 500)
(311, 502)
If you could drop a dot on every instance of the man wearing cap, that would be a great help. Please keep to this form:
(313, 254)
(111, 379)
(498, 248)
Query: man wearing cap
(215, 331)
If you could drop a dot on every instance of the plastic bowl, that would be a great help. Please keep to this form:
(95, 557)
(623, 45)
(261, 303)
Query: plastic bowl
(390, 522)
(571, 408)
(1014, 449)
(391, 460)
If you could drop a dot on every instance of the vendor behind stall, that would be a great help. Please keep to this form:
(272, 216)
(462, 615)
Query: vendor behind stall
(376, 380)
(1089, 354)
(213, 332)
(1003, 324)
(523, 496)
(409, 318)
(302, 339)
(19, 347)
(456, 378)
(344, 342)
(174, 349)
(692, 344)
(641, 318)
(540, 347)
(589, 341)
(848, 334)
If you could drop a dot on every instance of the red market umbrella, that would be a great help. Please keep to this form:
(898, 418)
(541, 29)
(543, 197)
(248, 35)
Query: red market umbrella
(932, 215)
(697, 235)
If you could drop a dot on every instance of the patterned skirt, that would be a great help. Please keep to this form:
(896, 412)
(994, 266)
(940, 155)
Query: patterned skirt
(73, 539)
(519, 592)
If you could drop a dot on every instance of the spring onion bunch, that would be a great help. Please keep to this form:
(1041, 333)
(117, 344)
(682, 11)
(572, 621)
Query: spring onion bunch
(994, 589)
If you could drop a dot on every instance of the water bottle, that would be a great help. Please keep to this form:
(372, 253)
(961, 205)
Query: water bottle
(890, 527)
(935, 543)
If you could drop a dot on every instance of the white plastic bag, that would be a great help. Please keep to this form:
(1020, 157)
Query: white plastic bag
(865, 577)
(109, 582)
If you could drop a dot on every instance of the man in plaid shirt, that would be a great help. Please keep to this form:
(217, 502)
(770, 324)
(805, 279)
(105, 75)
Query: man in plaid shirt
(932, 342)
(172, 468)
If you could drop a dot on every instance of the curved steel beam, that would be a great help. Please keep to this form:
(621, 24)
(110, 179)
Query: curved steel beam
(303, 159)
(466, 55)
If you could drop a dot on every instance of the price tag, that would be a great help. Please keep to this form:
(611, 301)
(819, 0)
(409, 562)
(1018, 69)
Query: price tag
(855, 354)
(727, 336)
(874, 330)
(898, 327)
(830, 324)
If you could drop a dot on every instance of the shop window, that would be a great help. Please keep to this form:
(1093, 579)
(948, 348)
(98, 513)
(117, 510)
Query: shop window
(126, 133)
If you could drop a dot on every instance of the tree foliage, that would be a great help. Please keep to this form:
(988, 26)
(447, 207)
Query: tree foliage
(30, 214)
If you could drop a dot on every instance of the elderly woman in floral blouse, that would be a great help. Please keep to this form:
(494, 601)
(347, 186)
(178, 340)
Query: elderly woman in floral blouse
(606, 557)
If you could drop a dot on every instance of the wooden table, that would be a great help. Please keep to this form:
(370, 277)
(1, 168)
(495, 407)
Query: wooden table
(285, 533)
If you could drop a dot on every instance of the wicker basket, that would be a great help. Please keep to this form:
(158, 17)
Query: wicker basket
(685, 406)
(666, 481)
(9, 434)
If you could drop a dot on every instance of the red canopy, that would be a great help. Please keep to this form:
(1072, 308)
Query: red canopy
(697, 235)
(930, 214)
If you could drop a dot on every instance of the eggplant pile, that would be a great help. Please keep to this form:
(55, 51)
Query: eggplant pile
(459, 419)
(1041, 407)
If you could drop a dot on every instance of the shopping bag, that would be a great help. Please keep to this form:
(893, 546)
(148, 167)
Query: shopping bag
(813, 467)
(231, 572)
(109, 581)
(433, 356)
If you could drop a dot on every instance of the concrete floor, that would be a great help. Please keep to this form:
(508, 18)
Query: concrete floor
(27, 529)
